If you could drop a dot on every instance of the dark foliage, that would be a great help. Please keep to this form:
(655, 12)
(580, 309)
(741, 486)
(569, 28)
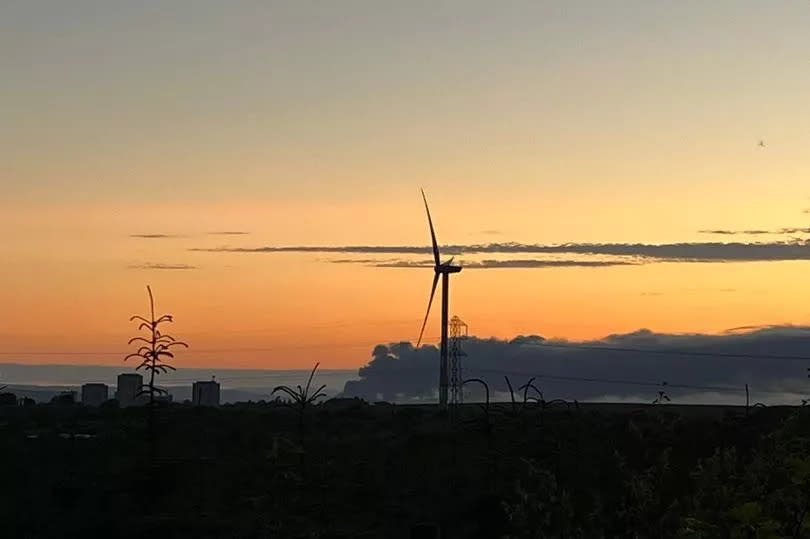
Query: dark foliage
(365, 470)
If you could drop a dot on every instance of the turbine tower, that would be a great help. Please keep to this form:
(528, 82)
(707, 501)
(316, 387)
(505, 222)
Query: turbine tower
(444, 270)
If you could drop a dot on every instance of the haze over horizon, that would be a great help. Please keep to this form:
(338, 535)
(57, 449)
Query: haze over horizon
(596, 167)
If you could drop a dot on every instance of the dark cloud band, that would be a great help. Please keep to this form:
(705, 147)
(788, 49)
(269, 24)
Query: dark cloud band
(492, 264)
(671, 252)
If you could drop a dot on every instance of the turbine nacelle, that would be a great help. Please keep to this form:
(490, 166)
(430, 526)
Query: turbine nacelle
(446, 268)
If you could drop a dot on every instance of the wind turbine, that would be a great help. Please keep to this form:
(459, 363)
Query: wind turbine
(444, 270)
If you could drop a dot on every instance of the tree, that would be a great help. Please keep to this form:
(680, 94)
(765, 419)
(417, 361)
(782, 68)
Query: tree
(155, 350)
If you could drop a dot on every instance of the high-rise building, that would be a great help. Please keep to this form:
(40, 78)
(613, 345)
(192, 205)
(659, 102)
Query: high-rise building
(94, 394)
(129, 385)
(205, 393)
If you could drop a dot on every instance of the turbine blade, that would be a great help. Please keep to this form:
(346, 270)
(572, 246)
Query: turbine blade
(432, 232)
(430, 301)
(450, 261)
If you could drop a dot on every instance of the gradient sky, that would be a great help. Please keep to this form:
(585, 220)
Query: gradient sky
(315, 123)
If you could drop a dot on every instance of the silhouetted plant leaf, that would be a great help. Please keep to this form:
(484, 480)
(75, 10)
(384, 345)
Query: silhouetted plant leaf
(486, 390)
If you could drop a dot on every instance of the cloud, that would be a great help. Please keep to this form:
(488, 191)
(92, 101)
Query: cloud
(689, 291)
(747, 329)
(718, 232)
(368, 249)
(620, 365)
(368, 261)
(742, 232)
(488, 264)
(491, 264)
(641, 252)
(491, 232)
(163, 266)
(168, 236)
(155, 236)
(758, 232)
(695, 252)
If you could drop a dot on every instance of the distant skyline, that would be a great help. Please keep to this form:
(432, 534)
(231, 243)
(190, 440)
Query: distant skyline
(172, 143)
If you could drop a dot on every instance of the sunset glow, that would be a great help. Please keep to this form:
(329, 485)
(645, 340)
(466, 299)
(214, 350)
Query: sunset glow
(125, 155)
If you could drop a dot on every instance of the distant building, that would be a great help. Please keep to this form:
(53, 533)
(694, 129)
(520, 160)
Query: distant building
(64, 398)
(205, 393)
(129, 385)
(163, 399)
(94, 394)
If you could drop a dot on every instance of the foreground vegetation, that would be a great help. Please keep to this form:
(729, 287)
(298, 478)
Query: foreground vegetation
(350, 469)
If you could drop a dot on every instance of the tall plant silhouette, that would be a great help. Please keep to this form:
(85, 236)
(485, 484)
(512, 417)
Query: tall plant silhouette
(301, 398)
(155, 349)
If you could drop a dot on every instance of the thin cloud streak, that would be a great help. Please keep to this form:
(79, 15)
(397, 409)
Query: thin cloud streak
(757, 232)
(705, 252)
(163, 267)
(368, 249)
(718, 232)
(170, 236)
(155, 236)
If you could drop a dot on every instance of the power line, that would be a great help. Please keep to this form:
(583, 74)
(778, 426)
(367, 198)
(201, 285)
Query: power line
(621, 381)
(209, 350)
(280, 376)
(612, 381)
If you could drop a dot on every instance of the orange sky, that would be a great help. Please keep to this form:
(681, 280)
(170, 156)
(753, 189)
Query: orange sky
(316, 124)
(71, 288)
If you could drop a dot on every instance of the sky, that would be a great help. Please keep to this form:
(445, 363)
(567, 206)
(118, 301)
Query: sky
(180, 144)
